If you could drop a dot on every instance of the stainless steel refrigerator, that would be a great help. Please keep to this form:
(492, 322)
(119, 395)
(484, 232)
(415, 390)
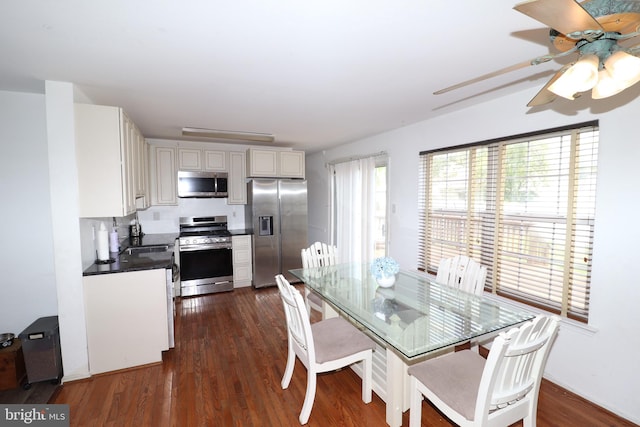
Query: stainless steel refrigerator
(277, 213)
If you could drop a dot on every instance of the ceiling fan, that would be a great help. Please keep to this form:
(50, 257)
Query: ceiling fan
(591, 29)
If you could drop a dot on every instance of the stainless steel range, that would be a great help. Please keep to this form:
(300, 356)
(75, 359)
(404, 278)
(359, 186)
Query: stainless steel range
(206, 263)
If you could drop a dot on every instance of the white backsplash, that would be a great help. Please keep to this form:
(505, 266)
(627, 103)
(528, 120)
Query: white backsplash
(158, 220)
(166, 219)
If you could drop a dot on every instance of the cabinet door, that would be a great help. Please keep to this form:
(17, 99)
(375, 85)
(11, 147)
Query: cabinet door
(127, 319)
(142, 176)
(262, 163)
(215, 161)
(291, 164)
(237, 188)
(163, 182)
(129, 159)
(189, 159)
(104, 179)
(242, 261)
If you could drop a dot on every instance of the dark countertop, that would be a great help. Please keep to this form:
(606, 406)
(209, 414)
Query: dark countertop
(241, 231)
(124, 262)
(149, 240)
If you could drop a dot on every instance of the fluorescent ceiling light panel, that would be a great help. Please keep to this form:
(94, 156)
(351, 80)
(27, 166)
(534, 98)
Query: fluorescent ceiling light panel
(228, 134)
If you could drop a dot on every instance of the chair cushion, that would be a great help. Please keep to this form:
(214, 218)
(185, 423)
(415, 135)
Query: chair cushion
(336, 338)
(454, 378)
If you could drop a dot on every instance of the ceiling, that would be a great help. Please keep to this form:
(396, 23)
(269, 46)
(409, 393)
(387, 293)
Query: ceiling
(314, 73)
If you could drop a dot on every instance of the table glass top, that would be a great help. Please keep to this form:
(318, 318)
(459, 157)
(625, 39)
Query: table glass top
(416, 315)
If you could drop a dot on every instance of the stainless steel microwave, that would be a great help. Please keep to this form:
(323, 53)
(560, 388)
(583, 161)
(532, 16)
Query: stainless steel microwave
(202, 184)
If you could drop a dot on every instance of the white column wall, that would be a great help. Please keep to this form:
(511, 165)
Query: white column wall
(598, 361)
(63, 181)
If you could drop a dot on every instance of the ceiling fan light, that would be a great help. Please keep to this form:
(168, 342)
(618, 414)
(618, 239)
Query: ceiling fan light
(580, 77)
(607, 86)
(624, 68)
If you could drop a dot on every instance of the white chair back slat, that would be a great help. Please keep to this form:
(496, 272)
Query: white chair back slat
(462, 272)
(319, 255)
(298, 325)
(519, 356)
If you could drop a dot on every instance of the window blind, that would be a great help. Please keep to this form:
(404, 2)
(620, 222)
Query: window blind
(524, 207)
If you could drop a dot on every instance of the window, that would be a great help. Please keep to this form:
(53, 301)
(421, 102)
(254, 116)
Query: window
(524, 207)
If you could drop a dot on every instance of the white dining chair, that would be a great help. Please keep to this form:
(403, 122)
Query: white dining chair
(323, 346)
(317, 255)
(498, 391)
(462, 273)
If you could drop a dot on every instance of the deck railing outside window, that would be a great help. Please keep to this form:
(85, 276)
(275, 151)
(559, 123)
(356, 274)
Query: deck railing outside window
(522, 206)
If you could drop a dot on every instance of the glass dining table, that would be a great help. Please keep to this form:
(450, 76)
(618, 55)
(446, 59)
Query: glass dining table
(412, 320)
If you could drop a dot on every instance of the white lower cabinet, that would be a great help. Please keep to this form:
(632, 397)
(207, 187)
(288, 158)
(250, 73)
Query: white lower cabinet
(126, 316)
(242, 265)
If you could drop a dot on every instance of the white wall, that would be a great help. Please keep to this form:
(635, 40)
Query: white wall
(28, 282)
(598, 361)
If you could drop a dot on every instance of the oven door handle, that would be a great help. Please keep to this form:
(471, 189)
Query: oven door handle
(220, 246)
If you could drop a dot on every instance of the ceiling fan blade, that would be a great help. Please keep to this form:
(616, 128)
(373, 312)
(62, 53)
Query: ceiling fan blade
(565, 16)
(535, 61)
(485, 77)
(545, 96)
(634, 50)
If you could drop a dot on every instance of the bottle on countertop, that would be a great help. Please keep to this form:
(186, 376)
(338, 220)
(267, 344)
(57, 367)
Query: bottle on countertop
(134, 228)
(114, 242)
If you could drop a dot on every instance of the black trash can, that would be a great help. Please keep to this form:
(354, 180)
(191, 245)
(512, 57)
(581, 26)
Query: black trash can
(41, 348)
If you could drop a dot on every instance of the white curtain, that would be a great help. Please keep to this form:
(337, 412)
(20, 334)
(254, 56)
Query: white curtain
(353, 191)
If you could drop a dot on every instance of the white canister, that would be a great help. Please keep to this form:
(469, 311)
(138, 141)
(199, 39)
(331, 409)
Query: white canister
(102, 243)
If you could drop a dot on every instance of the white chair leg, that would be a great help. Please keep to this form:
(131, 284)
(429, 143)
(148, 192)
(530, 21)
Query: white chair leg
(367, 378)
(288, 370)
(415, 408)
(309, 397)
(530, 419)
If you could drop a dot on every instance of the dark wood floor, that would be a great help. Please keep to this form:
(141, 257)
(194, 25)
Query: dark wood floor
(226, 369)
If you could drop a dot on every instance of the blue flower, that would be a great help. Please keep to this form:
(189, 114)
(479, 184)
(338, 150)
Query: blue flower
(384, 267)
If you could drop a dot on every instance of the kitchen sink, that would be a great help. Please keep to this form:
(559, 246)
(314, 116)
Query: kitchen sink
(145, 249)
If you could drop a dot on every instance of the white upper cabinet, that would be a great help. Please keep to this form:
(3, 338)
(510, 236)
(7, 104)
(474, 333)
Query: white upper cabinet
(193, 159)
(105, 145)
(142, 168)
(262, 163)
(275, 163)
(163, 186)
(237, 187)
(291, 164)
(215, 161)
(189, 159)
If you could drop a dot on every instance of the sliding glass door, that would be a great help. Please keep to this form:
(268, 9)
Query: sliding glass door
(359, 208)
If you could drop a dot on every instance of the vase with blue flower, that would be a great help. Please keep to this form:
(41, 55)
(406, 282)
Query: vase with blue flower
(384, 270)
